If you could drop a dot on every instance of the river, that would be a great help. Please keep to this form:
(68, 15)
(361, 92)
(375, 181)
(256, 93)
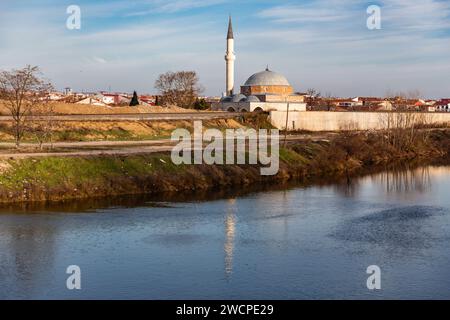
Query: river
(301, 242)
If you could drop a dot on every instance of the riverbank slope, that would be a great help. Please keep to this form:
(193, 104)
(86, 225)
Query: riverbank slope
(64, 178)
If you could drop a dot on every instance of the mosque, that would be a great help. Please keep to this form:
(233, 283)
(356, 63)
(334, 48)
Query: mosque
(264, 91)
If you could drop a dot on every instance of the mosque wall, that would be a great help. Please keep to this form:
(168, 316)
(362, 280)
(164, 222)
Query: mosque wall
(287, 98)
(257, 106)
(256, 90)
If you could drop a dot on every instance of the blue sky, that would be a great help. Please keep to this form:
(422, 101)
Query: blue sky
(322, 44)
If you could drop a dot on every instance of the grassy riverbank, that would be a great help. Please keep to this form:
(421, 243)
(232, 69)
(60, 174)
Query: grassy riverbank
(63, 178)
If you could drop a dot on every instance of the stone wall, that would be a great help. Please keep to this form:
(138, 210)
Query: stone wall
(335, 121)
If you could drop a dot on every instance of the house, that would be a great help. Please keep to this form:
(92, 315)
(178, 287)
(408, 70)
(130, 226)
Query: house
(385, 105)
(443, 105)
(113, 98)
(147, 100)
(55, 96)
(367, 101)
(346, 103)
(92, 101)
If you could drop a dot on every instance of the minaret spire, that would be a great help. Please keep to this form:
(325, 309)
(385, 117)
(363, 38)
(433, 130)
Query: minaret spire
(230, 29)
(230, 58)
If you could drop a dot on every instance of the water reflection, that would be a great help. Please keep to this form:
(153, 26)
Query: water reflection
(230, 232)
(347, 187)
(400, 180)
(147, 200)
(27, 250)
(405, 181)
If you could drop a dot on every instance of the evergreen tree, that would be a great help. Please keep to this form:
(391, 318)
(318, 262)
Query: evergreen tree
(201, 104)
(134, 101)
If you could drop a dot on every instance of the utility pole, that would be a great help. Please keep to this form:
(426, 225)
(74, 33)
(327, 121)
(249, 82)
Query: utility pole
(287, 119)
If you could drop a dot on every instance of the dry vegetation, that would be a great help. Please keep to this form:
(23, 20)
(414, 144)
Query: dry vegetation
(72, 108)
(72, 131)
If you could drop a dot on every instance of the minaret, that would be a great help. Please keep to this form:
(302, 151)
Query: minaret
(229, 58)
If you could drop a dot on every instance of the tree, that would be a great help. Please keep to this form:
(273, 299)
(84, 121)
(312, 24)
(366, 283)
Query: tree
(41, 123)
(134, 101)
(22, 90)
(402, 125)
(201, 104)
(179, 88)
(327, 101)
(312, 95)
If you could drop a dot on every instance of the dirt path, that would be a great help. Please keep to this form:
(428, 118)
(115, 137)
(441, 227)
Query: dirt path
(124, 151)
(92, 148)
(204, 115)
(83, 144)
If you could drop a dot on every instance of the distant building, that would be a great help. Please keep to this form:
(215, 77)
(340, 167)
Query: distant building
(113, 98)
(345, 103)
(367, 101)
(147, 100)
(55, 96)
(92, 101)
(443, 105)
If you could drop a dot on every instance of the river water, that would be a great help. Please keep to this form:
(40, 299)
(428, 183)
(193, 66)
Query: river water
(298, 243)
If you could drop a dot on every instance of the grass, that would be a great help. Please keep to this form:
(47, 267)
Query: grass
(54, 172)
(290, 156)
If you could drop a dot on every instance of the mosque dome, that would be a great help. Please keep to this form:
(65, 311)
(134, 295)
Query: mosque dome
(267, 78)
(252, 99)
(238, 98)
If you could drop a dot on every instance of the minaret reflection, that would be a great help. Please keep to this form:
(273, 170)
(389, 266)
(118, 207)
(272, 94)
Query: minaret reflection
(230, 233)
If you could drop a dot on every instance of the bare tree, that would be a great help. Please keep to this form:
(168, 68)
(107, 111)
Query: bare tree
(22, 90)
(179, 88)
(327, 101)
(312, 95)
(41, 123)
(402, 125)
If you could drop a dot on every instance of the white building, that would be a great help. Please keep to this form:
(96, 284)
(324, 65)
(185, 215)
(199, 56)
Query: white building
(443, 105)
(264, 91)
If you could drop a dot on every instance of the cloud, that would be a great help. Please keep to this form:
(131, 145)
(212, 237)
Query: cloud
(417, 15)
(173, 6)
(312, 12)
(99, 60)
(322, 44)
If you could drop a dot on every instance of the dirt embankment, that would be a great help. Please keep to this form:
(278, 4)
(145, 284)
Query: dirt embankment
(67, 131)
(57, 178)
(73, 108)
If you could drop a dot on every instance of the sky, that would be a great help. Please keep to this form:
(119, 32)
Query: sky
(124, 45)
